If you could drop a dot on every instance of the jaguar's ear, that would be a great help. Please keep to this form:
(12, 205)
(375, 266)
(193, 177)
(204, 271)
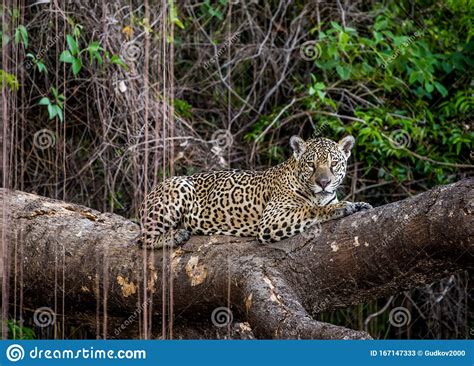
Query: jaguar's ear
(298, 145)
(346, 145)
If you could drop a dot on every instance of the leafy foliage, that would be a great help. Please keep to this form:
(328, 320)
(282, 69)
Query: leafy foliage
(75, 56)
(9, 80)
(17, 331)
(395, 69)
(413, 74)
(55, 106)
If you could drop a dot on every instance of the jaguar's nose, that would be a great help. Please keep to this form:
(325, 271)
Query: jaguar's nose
(323, 182)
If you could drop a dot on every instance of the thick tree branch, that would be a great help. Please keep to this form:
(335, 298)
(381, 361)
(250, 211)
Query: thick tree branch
(57, 250)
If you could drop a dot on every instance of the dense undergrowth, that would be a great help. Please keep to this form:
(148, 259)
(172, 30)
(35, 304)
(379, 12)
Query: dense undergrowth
(89, 89)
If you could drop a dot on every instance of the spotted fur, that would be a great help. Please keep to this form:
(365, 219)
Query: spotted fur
(271, 204)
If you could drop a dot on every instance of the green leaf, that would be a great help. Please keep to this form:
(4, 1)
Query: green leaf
(55, 92)
(118, 61)
(94, 47)
(77, 30)
(76, 66)
(21, 34)
(98, 57)
(72, 44)
(381, 24)
(429, 87)
(44, 101)
(41, 67)
(378, 37)
(319, 86)
(336, 26)
(66, 57)
(442, 90)
(8, 79)
(174, 14)
(343, 39)
(343, 72)
(59, 112)
(52, 111)
(413, 77)
(178, 23)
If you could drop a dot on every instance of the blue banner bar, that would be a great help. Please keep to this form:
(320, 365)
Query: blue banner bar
(239, 353)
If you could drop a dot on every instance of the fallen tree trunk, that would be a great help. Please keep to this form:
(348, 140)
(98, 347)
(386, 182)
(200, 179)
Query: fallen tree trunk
(71, 258)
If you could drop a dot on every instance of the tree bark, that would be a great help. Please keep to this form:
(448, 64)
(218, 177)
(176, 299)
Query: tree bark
(75, 259)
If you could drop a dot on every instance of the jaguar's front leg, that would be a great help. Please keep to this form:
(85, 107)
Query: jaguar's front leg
(340, 209)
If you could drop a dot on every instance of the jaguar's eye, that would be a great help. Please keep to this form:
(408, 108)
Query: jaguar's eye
(310, 167)
(334, 163)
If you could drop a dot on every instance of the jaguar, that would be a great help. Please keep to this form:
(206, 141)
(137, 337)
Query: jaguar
(271, 204)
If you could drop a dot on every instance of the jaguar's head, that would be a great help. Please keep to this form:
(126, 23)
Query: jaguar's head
(321, 163)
